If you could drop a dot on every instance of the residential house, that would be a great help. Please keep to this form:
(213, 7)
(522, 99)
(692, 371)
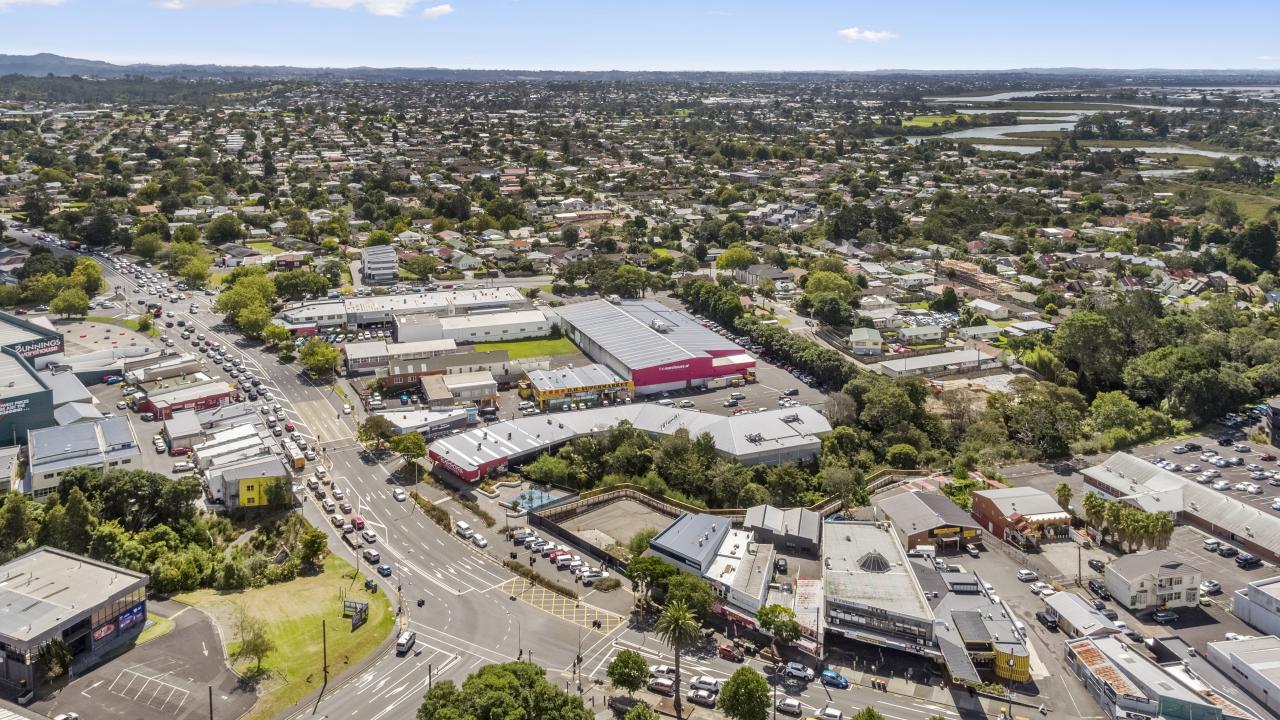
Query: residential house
(1152, 580)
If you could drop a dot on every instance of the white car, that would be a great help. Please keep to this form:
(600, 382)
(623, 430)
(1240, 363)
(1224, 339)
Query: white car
(1253, 489)
(1209, 587)
(660, 670)
(346, 409)
(704, 682)
(790, 706)
(1027, 575)
(1221, 485)
(1275, 504)
(399, 495)
(1193, 468)
(1040, 586)
(369, 536)
(479, 541)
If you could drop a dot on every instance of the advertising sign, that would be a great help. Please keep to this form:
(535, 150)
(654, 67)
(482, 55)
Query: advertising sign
(131, 617)
(104, 631)
(39, 347)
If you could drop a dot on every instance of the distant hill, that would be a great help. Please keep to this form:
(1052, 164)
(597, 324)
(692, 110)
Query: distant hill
(50, 64)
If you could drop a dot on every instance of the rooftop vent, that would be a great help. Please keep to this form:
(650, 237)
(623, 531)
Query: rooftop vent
(873, 562)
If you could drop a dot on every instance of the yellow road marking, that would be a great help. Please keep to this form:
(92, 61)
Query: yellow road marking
(555, 604)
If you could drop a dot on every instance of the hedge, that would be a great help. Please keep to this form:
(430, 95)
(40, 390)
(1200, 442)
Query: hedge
(437, 514)
(538, 578)
(476, 510)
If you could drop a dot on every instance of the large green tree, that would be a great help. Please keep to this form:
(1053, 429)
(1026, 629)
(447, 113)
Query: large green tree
(510, 691)
(628, 670)
(745, 695)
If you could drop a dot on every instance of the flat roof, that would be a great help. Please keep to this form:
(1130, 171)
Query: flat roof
(15, 378)
(451, 300)
(370, 350)
(865, 564)
(191, 392)
(937, 360)
(41, 589)
(913, 512)
(483, 320)
(572, 378)
(693, 535)
(736, 435)
(12, 332)
(645, 333)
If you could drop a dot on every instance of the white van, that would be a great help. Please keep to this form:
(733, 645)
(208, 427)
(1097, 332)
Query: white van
(464, 530)
(406, 641)
(666, 401)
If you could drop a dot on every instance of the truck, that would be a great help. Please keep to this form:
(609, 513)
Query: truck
(293, 455)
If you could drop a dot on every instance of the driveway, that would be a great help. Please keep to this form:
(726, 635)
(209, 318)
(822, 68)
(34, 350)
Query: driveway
(164, 679)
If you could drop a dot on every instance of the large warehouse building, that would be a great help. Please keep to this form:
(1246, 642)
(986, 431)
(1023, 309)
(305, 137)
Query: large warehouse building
(767, 438)
(656, 347)
(308, 318)
(29, 397)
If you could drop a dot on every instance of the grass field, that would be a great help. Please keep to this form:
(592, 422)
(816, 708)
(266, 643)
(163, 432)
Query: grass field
(160, 626)
(128, 322)
(929, 120)
(293, 612)
(519, 349)
(1252, 206)
(266, 247)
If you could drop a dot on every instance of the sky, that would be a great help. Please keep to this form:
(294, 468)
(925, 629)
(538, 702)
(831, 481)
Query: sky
(734, 35)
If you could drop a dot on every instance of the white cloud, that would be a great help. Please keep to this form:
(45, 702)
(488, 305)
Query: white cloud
(436, 11)
(853, 34)
(385, 8)
(1268, 58)
(6, 4)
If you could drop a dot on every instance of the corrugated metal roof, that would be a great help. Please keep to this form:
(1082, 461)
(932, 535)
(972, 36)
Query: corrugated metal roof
(643, 334)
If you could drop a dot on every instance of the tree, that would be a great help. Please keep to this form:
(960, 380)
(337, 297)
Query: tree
(275, 335)
(628, 670)
(87, 276)
(648, 572)
(902, 456)
(1089, 344)
(780, 622)
(300, 284)
(692, 592)
(678, 627)
(550, 469)
(640, 712)
(1256, 243)
(1063, 493)
(412, 447)
(72, 301)
(946, 302)
(100, 228)
(254, 319)
(745, 695)
(54, 658)
(144, 323)
(823, 281)
(312, 547)
(319, 357)
(223, 229)
(196, 270)
(736, 257)
(252, 641)
(147, 246)
(36, 205)
(375, 429)
(510, 691)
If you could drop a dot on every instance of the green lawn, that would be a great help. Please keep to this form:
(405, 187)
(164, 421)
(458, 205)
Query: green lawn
(929, 120)
(160, 626)
(266, 247)
(293, 612)
(519, 349)
(128, 322)
(1253, 206)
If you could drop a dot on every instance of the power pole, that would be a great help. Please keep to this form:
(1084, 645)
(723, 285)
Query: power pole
(210, 702)
(324, 648)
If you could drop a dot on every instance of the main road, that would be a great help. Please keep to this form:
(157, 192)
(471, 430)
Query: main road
(475, 612)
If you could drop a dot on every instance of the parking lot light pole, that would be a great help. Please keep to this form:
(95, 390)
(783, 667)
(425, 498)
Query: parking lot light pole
(519, 635)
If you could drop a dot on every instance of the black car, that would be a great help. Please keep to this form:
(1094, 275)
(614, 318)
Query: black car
(1193, 447)
(791, 391)
(781, 566)
(1095, 564)
(1248, 560)
(1225, 441)
(1097, 588)
(1227, 551)
(1048, 618)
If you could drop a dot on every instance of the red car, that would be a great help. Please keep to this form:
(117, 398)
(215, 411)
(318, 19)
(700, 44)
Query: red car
(179, 450)
(1268, 457)
(288, 427)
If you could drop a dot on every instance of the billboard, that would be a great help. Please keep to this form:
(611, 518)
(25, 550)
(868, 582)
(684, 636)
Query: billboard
(131, 617)
(38, 347)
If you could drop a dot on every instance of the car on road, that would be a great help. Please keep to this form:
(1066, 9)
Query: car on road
(830, 713)
(831, 678)
(479, 541)
(346, 409)
(368, 536)
(660, 670)
(399, 495)
(704, 698)
(789, 706)
(705, 682)
(1027, 575)
(371, 555)
(345, 508)
(798, 671)
(384, 570)
(1095, 565)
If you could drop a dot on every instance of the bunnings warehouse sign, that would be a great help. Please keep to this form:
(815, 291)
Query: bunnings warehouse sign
(39, 347)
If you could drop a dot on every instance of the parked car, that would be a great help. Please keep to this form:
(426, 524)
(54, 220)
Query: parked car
(1246, 561)
(705, 682)
(798, 671)
(831, 678)
(1209, 587)
(1164, 617)
(704, 698)
(789, 706)
(1027, 575)
(1097, 588)
(1095, 564)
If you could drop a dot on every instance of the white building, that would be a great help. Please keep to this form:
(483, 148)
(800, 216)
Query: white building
(1254, 664)
(1152, 580)
(479, 328)
(1258, 604)
(378, 265)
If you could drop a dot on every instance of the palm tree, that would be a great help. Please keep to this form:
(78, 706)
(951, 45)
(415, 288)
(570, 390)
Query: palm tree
(1063, 494)
(679, 628)
(1163, 530)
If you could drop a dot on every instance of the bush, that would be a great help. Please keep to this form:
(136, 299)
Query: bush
(608, 584)
(902, 456)
(438, 515)
(538, 578)
(476, 510)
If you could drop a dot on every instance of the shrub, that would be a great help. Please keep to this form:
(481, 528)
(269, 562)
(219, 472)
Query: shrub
(902, 456)
(538, 578)
(608, 584)
(476, 510)
(438, 515)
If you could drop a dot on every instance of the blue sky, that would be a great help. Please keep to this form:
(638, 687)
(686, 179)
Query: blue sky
(654, 34)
